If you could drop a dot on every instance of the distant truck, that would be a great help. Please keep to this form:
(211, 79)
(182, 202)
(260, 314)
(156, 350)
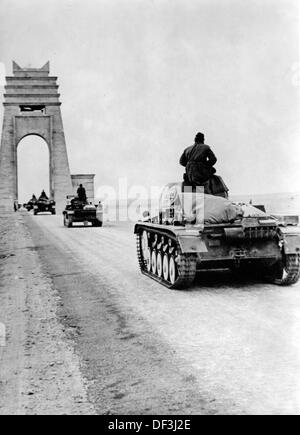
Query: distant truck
(77, 211)
(172, 249)
(44, 205)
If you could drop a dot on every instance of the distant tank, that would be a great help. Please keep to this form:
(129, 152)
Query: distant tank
(43, 205)
(183, 239)
(81, 211)
(30, 204)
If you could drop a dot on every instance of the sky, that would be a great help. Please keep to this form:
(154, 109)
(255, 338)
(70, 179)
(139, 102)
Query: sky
(139, 78)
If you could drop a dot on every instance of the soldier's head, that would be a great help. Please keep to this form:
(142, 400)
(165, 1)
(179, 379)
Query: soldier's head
(199, 138)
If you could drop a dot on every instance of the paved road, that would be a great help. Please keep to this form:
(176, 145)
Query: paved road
(225, 346)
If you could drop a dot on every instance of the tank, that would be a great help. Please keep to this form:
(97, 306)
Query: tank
(30, 204)
(77, 211)
(43, 205)
(176, 243)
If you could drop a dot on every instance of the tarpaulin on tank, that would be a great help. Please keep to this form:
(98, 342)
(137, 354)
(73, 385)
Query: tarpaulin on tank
(219, 210)
(250, 211)
(211, 209)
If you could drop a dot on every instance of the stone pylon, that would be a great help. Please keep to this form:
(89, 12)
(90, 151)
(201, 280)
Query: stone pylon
(32, 107)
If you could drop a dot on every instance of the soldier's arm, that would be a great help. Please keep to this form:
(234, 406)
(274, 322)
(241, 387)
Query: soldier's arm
(183, 160)
(211, 158)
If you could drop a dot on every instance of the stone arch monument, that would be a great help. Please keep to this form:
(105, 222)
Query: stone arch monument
(32, 107)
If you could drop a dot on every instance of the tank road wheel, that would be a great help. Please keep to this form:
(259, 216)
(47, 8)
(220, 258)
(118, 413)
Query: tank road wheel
(145, 245)
(287, 271)
(166, 267)
(148, 260)
(153, 262)
(159, 265)
(172, 270)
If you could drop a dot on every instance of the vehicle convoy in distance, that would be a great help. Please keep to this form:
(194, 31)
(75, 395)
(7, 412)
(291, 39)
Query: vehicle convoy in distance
(77, 211)
(43, 205)
(185, 237)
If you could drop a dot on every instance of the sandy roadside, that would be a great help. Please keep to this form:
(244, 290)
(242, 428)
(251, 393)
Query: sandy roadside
(39, 371)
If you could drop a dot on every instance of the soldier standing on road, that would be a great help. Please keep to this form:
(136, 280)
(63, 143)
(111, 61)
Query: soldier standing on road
(198, 160)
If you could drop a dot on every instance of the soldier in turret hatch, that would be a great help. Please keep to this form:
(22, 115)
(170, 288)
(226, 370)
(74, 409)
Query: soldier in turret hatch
(81, 193)
(43, 195)
(199, 161)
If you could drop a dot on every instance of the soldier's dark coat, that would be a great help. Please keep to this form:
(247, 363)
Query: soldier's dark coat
(81, 193)
(198, 160)
(43, 195)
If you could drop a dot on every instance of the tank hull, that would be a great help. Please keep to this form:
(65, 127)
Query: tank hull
(77, 215)
(193, 231)
(44, 207)
(262, 247)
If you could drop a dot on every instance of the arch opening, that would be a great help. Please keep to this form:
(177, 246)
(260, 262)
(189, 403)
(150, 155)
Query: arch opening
(33, 168)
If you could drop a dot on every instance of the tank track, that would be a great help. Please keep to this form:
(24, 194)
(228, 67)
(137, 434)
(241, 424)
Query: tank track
(167, 245)
(289, 271)
(285, 272)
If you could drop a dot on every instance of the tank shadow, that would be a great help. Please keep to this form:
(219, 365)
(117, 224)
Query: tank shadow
(74, 227)
(219, 279)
